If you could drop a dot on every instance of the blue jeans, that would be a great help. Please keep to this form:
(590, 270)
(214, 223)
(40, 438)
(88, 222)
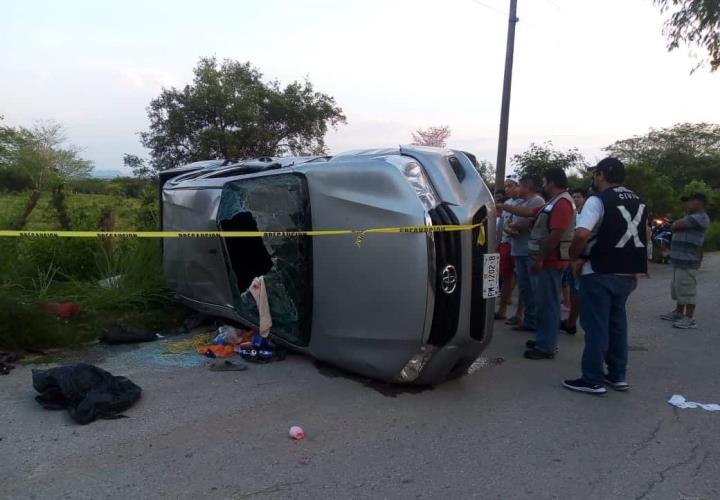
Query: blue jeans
(546, 286)
(604, 319)
(524, 282)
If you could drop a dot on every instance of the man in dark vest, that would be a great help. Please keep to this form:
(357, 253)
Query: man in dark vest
(608, 252)
(549, 244)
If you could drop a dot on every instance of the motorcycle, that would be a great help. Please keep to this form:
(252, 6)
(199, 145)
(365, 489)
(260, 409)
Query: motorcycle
(661, 231)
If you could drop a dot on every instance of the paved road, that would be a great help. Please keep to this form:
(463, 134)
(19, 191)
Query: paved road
(507, 431)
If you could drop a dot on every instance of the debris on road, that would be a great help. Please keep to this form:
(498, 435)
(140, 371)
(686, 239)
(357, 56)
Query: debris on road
(227, 366)
(188, 345)
(680, 402)
(216, 351)
(297, 433)
(7, 362)
(86, 391)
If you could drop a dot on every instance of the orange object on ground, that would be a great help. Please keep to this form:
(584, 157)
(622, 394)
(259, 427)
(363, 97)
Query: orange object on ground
(220, 351)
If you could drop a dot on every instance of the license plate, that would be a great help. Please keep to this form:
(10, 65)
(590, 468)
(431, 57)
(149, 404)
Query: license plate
(491, 275)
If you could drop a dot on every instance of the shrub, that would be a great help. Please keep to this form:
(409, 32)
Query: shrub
(712, 238)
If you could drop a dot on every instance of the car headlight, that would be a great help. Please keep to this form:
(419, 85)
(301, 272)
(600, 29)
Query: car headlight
(415, 175)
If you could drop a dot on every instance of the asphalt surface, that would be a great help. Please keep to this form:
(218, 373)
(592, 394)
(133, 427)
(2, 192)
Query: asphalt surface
(509, 430)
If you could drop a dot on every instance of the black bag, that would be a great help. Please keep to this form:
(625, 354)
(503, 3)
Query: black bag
(86, 391)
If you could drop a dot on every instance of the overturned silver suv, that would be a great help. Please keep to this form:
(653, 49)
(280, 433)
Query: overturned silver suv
(411, 307)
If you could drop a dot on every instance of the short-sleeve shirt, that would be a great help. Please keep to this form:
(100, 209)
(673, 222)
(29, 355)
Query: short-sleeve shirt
(590, 218)
(560, 219)
(686, 246)
(506, 217)
(519, 243)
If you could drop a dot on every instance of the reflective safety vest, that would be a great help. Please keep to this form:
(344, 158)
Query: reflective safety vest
(541, 228)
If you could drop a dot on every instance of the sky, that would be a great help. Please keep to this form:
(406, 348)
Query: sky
(587, 72)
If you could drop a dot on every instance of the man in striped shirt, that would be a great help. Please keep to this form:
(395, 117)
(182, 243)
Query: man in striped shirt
(686, 256)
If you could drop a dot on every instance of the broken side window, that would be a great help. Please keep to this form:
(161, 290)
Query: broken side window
(273, 203)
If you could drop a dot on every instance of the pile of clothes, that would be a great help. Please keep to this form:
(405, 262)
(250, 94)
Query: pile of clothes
(85, 391)
(252, 346)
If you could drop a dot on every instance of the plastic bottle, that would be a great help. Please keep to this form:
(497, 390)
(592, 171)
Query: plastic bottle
(297, 433)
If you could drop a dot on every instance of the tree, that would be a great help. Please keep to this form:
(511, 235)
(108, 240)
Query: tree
(41, 154)
(655, 190)
(139, 167)
(682, 152)
(694, 23)
(486, 169)
(229, 112)
(540, 157)
(431, 136)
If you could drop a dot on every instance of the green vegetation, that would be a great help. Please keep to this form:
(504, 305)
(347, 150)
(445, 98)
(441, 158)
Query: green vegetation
(38, 271)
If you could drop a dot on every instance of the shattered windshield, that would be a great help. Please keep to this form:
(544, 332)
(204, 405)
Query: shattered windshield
(271, 203)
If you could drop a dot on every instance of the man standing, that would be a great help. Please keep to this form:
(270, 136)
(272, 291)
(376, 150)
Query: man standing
(507, 270)
(608, 251)
(520, 227)
(686, 256)
(548, 246)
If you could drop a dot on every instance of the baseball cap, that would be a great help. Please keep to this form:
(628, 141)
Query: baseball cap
(513, 178)
(695, 196)
(611, 167)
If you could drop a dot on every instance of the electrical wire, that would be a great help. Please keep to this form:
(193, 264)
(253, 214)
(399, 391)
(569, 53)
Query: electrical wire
(482, 4)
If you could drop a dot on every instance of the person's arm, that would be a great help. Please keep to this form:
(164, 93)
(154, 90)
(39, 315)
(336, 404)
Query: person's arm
(522, 224)
(579, 242)
(520, 211)
(679, 225)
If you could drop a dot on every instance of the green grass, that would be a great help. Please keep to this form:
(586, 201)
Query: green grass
(35, 271)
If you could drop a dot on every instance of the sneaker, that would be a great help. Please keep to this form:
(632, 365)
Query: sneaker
(672, 316)
(580, 385)
(685, 324)
(536, 353)
(618, 386)
(532, 344)
(571, 330)
(522, 328)
(514, 321)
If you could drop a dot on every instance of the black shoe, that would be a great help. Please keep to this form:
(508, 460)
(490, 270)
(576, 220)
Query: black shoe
(536, 353)
(572, 330)
(580, 385)
(532, 344)
(618, 386)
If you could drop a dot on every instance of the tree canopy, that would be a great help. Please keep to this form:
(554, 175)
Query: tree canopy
(32, 158)
(666, 163)
(694, 23)
(230, 112)
(540, 157)
(681, 153)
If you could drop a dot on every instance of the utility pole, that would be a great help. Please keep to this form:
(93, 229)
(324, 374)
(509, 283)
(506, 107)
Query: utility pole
(505, 111)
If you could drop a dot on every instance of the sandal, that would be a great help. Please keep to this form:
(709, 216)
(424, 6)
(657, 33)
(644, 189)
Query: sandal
(227, 366)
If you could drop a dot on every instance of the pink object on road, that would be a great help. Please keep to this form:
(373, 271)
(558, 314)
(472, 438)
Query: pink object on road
(297, 433)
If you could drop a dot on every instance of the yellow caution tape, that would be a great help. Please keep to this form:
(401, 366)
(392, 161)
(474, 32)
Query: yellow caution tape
(360, 234)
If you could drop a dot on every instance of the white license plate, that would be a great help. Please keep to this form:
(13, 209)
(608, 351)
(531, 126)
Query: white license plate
(491, 276)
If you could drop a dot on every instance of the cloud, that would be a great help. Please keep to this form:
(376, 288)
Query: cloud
(144, 78)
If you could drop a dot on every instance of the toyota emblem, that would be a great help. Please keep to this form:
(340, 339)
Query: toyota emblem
(449, 279)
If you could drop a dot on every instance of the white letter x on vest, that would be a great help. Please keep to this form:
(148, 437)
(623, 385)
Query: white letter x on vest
(632, 227)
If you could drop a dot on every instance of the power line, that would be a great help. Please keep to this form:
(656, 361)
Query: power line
(490, 7)
(551, 2)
